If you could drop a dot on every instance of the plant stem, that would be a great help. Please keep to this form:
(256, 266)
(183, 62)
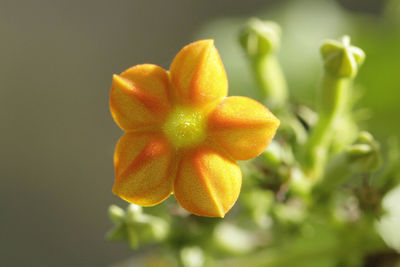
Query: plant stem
(269, 76)
(332, 100)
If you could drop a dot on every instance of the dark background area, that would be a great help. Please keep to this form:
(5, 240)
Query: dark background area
(57, 58)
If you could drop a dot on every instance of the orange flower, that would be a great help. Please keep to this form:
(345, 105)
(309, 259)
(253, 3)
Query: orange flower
(183, 134)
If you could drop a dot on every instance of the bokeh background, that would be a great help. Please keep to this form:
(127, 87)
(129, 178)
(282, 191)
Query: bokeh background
(57, 58)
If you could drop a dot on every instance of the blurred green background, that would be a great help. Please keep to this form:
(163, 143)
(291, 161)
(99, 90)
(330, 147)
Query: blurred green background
(57, 136)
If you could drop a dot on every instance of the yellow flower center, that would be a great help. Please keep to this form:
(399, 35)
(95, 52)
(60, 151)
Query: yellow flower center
(185, 127)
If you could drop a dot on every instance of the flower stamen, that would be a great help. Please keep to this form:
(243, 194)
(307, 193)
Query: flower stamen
(185, 127)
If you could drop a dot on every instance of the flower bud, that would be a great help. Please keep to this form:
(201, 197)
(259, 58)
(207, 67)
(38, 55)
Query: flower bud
(116, 214)
(364, 155)
(132, 213)
(135, 226)
(260, 37)
(341, 59)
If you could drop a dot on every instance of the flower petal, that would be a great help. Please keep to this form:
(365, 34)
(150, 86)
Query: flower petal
(242, 126)
(207, 183)
(143, 168)
(140, 97)
(198, 74)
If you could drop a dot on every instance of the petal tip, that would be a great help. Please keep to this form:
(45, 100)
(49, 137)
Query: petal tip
(203, 42)
(243, 127)
(208, 42)
(207, 183)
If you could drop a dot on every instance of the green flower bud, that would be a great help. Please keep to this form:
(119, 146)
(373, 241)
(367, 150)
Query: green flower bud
(366, 138)
(116, 214)
(361, 157)
(341, 62)
(136, 227)
(359, 150)
(132, 213)
(260, 37)
(364, 155)
(341, 59)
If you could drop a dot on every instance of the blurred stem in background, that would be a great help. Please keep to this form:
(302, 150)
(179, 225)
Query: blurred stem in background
(261, 41)
(341, 63)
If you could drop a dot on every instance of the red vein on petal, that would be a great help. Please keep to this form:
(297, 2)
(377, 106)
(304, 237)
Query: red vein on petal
(200, 168)
(153, 149)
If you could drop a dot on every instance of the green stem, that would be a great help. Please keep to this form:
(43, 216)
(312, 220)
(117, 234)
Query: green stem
(273, 92)
(270, 78)
(332, 99)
